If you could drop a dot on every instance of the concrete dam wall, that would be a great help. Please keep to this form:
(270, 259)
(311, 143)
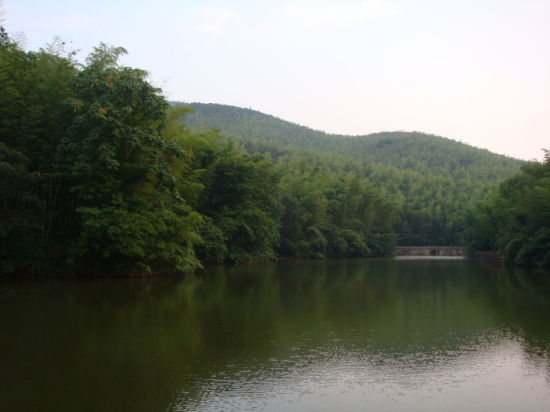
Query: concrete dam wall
(430, 251)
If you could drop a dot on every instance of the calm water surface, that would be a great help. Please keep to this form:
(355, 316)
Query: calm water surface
(345, 335)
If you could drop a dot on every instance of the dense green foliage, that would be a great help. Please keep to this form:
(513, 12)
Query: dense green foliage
(33, 119)
(99, 175)
(429, 181)
(515, 220)
(419, 152)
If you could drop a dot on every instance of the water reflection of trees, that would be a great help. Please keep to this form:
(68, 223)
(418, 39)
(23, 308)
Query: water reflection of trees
(370, 308)
(143, 345)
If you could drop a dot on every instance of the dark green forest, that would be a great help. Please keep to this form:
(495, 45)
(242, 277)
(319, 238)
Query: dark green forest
(101, 176)
(431, 181)
(515, 219)
(419, 152)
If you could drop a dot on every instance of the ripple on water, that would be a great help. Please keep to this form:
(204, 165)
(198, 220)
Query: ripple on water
(469, 377)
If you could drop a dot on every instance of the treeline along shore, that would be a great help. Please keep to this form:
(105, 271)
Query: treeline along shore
(100, 176)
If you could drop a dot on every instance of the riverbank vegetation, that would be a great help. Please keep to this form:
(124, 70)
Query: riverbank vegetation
(448, 193)
(515, 219)
(431, 179)
(99, 175)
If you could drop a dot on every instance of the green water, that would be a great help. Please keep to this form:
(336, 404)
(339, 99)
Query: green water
(344, 335)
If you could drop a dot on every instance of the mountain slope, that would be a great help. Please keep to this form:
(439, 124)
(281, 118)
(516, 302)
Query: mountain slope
(431, 181)
(416, 151)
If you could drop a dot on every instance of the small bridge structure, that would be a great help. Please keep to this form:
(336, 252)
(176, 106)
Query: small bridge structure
(430, 251)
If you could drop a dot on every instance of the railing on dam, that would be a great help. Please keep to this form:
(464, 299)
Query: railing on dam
(430, 251)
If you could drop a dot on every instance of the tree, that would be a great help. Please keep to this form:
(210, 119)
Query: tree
(33, 118)
(241, 201)
(516, 219)
(129, 213)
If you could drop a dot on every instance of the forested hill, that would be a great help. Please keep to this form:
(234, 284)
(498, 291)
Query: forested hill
(430, 181)
(99, 175)
(420, 152)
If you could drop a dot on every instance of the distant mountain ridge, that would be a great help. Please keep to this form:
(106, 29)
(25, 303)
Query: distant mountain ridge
(431, 181)
(416, 151)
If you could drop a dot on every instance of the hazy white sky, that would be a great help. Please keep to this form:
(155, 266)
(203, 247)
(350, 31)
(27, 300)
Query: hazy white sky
(477, 71)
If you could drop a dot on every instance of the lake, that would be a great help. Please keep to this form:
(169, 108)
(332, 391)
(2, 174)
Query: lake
(327, 335)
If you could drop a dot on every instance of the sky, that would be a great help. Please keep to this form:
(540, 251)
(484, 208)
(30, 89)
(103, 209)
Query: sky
(476, 71)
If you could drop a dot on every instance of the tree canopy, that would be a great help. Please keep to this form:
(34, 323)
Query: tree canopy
(515, 219)
(429, 180)
(99, 175)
